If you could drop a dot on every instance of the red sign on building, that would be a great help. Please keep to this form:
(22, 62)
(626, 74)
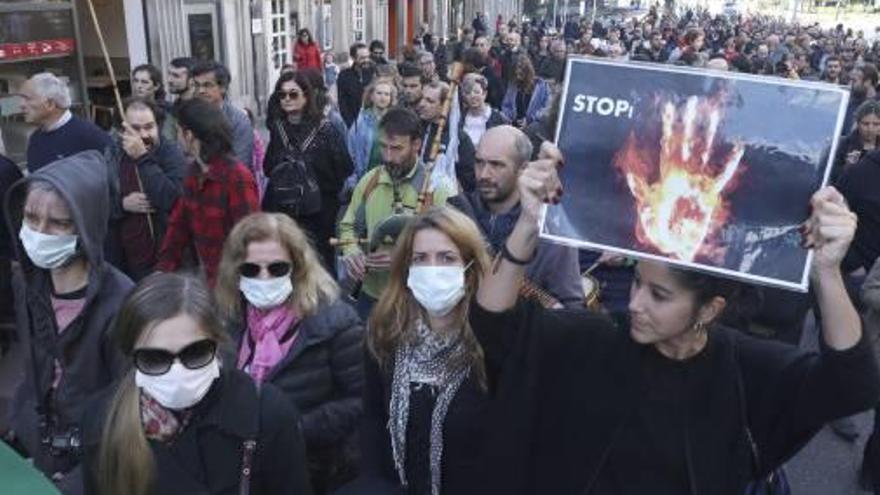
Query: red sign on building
(37, 49)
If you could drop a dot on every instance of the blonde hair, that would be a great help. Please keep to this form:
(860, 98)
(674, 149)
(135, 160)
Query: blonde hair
(312, 284)
(392, 322)
(368, 93)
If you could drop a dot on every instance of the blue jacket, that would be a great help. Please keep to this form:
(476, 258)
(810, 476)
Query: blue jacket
(540, 100)
(360, 141)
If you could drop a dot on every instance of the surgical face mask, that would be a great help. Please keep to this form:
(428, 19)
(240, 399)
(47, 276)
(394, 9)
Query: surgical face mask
(437, 288)
(266, 293)
(180, 387)
(47, 251)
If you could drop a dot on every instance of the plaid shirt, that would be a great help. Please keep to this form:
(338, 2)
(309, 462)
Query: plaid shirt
(202, 218)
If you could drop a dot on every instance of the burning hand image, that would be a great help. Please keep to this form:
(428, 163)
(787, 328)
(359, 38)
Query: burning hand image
(680, 185)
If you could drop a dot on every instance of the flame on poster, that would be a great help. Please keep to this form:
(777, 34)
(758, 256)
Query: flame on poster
(681, 193)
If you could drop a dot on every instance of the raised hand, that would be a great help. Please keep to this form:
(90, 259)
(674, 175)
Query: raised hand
(684, 204)
(539, 182)
(829, 230)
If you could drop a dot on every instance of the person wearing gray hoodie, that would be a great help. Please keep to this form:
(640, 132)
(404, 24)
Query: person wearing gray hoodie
(66, 296)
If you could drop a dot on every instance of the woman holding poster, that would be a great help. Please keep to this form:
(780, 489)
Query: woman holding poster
(676, 405)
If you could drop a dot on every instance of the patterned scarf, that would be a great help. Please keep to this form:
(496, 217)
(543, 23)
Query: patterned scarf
(159, 423)
(428, 359)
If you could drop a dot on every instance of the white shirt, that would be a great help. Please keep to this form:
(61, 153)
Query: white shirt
(475, 125)
(65, 118)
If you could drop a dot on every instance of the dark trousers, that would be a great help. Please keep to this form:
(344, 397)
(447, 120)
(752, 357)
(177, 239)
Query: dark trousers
(321, 227)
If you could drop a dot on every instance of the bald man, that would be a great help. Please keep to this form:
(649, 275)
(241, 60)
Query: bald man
(502, 154)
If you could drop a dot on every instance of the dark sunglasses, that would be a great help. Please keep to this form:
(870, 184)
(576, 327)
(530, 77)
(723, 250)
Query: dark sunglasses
(291, 95)
(276, 269)
(155, 362)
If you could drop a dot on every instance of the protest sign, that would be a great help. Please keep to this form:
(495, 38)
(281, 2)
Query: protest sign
(707, 170)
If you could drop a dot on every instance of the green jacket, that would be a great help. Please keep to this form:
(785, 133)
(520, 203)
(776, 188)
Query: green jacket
(364, 214)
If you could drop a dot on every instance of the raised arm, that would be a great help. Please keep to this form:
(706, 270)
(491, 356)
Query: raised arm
(829, 231)
(538, 184)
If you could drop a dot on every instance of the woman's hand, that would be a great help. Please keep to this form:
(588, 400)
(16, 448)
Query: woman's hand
(539, 182)
(829, 230)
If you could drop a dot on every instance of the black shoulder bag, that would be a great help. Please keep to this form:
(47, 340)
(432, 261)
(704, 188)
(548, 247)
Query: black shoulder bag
(293, 187)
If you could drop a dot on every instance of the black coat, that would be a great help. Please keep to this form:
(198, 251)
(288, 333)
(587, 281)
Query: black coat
(495, 91)
(567, 385)
(463, 439)
(327, 155)
(161, 172)
(858, 184)
(207, 457)
(350, 86)
(322, 374)
(9, 174)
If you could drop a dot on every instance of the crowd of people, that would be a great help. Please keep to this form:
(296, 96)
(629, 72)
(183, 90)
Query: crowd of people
(362, 303)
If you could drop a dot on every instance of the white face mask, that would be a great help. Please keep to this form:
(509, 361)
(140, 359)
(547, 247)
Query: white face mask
(180, 387)
(437, 288)
(47, 251)
(266, 293)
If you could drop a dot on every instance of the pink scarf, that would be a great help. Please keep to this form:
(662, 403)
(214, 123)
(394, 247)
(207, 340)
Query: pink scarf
(266, 328)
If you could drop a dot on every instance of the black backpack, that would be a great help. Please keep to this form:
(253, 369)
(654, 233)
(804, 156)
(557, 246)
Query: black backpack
(292, 184)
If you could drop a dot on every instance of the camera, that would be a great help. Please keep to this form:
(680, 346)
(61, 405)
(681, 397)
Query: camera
(67, 442)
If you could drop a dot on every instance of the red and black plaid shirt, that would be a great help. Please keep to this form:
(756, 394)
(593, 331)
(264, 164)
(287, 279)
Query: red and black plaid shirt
(202, 218)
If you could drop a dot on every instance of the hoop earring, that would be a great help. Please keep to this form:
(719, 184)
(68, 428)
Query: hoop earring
(700, 327)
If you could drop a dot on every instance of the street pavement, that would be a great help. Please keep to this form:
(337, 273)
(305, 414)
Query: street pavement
(828, 465)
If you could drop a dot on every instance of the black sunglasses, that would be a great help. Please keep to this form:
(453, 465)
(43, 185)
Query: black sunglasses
(276, 269)
(292, 95)
(155, 362)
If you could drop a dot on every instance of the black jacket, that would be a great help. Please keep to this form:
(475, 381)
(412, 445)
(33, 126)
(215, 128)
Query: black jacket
(463, 439)
(847, 144)
(350, 86)
(495, 93)
(161, 173)
(207, 457)
(566, 385)
(9, 174)
(858, 184)
(90, 360)
(327, 154)
(322, 374)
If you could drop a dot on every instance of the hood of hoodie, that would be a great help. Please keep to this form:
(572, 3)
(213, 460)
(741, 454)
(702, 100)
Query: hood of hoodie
(81, 180)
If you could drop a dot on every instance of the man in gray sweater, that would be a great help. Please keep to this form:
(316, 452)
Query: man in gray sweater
(211, 82)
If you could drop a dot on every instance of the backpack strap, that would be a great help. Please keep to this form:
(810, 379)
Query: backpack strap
(285, 139)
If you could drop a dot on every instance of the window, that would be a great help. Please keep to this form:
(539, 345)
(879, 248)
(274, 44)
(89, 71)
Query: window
(358, 16)
(280, 36)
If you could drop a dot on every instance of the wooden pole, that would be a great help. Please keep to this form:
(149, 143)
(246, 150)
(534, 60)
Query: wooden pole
(117, 97)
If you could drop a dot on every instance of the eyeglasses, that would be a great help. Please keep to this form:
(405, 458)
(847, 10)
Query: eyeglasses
(289, 95)
(276, 269)
(156, 362)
